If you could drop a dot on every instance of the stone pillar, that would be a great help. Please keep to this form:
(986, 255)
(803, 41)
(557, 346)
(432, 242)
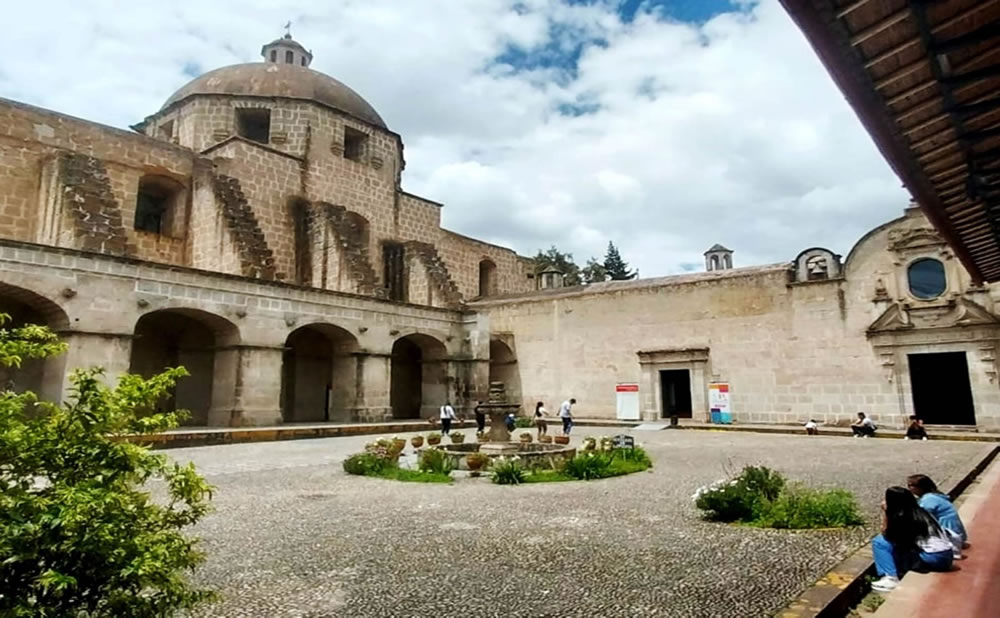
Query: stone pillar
(112, 351)
(373, 375)
(246, 388)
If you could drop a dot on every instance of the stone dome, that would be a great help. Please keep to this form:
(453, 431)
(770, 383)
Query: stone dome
(265, 79)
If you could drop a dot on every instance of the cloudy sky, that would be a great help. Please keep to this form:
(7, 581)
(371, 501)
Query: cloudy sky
(663, 125)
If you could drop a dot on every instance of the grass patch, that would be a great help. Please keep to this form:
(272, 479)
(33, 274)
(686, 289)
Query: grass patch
(589, 466)
(413, 476)
(547, 476)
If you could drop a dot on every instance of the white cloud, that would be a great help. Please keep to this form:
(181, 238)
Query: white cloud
(730, 132)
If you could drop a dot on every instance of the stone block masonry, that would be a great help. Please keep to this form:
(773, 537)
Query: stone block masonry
(84, 193)
(256, 259)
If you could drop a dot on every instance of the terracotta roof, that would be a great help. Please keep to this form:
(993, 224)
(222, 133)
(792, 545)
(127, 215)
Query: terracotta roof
(267, 79)
(924, 79)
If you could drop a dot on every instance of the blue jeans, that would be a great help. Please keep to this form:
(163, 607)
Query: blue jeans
(567, 424)
(888, 561)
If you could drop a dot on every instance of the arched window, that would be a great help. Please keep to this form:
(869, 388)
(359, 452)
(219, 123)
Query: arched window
(817, 268)
(728, 260)
(289, 57)
(926, 278)
(715, 262)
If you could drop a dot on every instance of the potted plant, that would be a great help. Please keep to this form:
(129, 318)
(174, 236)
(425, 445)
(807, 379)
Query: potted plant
(457, 437)
(417, 441)
(398, 443)
(482, 436)
(476, 461)
(525, 437)
(433, 439)
(545, 438)
(560, 439)
(589, 443)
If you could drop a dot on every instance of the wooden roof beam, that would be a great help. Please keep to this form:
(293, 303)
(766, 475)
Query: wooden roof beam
(880, 26)
(850, 8)
(971, 77)
(983, 33)
(899, 74)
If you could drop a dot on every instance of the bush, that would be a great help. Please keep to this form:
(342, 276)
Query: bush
(760, 496)
(636, 455)
(435, 460)
(507, 471)
(367, 464)
(522, 422)
(79, 531)
(588, 466)
(801, 507)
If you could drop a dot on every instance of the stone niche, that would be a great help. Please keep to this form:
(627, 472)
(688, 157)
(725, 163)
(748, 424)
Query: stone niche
(817, 264)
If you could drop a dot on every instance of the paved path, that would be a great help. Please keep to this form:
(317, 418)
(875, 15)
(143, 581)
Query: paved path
(294, 536)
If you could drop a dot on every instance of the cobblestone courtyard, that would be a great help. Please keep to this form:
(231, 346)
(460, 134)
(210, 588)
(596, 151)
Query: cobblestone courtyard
(293, 535)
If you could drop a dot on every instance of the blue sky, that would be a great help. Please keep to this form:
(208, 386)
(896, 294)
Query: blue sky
(665, 126)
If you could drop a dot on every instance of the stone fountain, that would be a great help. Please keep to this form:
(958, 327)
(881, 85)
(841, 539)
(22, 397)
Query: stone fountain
(497, 407)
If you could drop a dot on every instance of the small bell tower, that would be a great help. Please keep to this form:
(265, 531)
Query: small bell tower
(286, 50)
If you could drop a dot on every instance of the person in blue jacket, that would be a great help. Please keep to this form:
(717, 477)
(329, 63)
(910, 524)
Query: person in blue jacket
(937, 504)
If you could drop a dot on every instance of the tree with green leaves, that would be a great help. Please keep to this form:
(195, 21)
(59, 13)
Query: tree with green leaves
(553, 258)
(617, 268)
(80, 534)
(594, 272)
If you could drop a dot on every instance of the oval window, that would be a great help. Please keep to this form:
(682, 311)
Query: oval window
(927, 278)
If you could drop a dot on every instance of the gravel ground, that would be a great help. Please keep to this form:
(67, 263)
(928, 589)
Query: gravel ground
(293, 535)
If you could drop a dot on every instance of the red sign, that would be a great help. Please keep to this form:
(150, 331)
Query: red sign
(627, 388)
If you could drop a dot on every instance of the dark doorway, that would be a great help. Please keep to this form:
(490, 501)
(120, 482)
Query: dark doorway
(942, 394)
(675, 392)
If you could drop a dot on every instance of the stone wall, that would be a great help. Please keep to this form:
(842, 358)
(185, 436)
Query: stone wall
(463, 256)
(790, 351)
(97, 301)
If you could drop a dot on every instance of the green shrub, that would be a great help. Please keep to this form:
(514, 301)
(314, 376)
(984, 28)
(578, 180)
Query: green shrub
(435, 460)
(522, 422)
(588, 466)
(744, 498)
(367, 464)
(635, 455)
(80, 534)
(507, 471)
(800, 507)
(760, 496)
(413, 476)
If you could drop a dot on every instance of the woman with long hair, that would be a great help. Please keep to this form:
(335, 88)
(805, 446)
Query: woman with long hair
(540, 423)
(940, 507)
(911, 539)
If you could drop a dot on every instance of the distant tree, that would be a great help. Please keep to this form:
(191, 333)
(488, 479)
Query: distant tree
(594, 272)
(80, 534)
(563, 261)
(617, 268)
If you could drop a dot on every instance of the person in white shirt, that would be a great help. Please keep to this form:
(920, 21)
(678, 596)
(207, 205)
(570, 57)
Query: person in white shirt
(911, 538)
(863, 427)
(812, 427)
(566, 414)
(447, 416)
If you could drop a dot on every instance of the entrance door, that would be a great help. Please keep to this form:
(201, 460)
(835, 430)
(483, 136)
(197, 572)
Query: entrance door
(675, 393)
(942, 394)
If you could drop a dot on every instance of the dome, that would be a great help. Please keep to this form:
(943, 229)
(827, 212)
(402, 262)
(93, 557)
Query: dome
(265, 79)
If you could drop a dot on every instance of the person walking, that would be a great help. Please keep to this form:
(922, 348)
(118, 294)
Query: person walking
(540, 424)
(447, 416)
(480, 418)
(566, 414)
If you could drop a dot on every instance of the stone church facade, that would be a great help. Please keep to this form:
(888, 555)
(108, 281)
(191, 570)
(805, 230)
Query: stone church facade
(255, 230)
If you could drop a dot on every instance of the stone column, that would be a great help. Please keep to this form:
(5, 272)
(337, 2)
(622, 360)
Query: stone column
(111, 351)
(246, 387)
(373, 376)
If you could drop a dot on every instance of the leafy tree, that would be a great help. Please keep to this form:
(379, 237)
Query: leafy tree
(78, 535)
(594, 272)
(617, 268)
(563, 261)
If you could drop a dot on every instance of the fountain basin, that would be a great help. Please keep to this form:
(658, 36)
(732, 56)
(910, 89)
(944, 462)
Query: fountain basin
(532, 454)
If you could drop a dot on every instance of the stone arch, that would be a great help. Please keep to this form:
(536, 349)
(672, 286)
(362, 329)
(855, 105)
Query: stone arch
(418, 382)
(817, 264)
(504, 369)
(199, 341)
(487, 277)
(715, 262)
(728, 260)
(42, 376)
(319, 374)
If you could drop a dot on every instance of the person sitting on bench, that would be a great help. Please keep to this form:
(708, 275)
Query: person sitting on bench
(863, 426)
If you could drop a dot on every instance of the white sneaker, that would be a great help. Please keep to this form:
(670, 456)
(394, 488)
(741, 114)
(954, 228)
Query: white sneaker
(887, 584)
